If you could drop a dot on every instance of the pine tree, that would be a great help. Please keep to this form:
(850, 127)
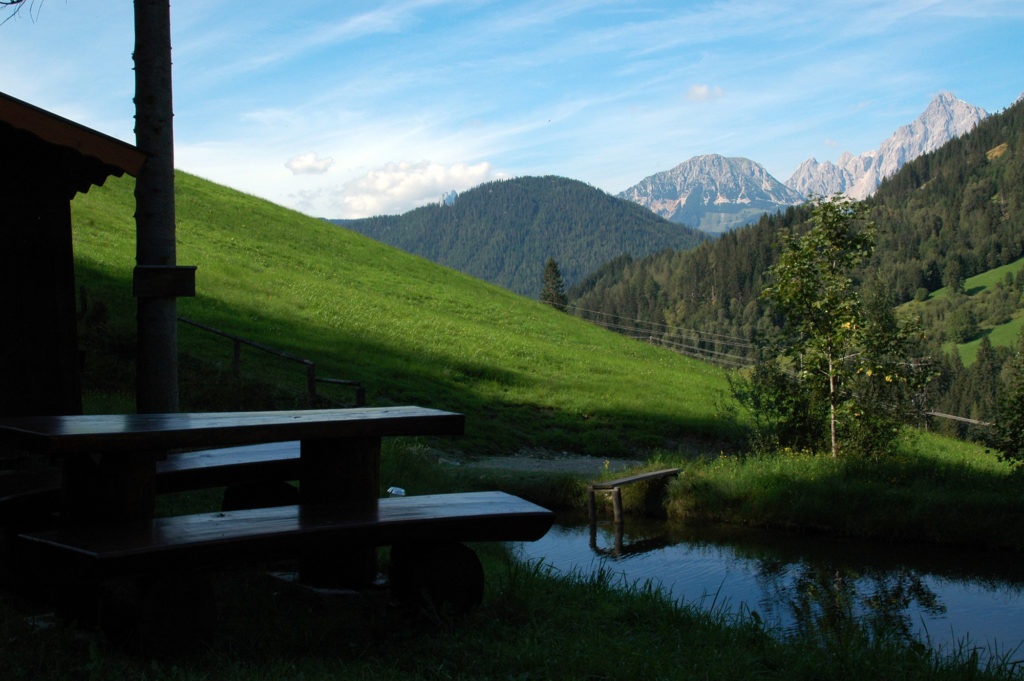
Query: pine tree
(553, 291)
(1008, 428)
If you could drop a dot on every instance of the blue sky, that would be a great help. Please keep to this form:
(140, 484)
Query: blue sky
(347, 109)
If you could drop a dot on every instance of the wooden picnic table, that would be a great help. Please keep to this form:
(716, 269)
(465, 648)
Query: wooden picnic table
(109, 461)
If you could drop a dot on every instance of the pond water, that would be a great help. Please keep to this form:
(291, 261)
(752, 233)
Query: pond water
(944, 598)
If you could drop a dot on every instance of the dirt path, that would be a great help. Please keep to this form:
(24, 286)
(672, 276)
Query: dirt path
(551, 462)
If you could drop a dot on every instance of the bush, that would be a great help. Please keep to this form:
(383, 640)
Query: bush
(783, 412)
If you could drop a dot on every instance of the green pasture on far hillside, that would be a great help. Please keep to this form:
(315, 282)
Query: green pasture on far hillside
(984, 281)
(1000, 335)
(411, 331)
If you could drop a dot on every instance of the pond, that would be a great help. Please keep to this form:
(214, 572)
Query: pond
(945, 598)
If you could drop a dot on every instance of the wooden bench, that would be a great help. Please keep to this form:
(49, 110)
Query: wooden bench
(429, 563)
(37, 492)
(112, 467)
(614, 486)
(205, 540)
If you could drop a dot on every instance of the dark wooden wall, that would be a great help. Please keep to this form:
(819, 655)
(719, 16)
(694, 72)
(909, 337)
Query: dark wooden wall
(39, 358)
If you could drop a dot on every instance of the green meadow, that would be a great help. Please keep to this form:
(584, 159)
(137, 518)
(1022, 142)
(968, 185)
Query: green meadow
(528, 378)
(411, 331)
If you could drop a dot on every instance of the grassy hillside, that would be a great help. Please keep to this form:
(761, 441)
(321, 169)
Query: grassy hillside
(994, 298)
(411, 331)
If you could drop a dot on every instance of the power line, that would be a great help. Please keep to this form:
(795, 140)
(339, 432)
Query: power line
(627, 324)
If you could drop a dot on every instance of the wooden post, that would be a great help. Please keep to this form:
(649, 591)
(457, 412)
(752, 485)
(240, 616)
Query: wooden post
(311, 379)
(617, 505)
(236, 358)
(109, 488)
(339, 475)
(156, 381)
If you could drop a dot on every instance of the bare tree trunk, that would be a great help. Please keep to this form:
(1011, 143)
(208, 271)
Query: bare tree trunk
(832, 407)
(156, 382)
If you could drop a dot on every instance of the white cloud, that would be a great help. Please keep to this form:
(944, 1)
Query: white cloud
(309, 164)
(399, 187)
(703, 93)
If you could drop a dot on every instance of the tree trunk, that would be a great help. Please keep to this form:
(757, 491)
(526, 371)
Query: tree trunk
(832, 407)
(156, 382)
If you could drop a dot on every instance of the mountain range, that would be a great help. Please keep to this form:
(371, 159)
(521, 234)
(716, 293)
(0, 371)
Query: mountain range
(504, 231)
(859, 176)
(717, 194)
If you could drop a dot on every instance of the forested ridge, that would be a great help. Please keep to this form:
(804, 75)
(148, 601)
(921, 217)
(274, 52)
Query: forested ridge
(505, 231)
(945, 216)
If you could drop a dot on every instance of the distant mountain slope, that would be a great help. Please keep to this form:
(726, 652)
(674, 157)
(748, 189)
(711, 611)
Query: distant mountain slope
(859, 176)
(504, 231)
(954, 212)
(713, 193)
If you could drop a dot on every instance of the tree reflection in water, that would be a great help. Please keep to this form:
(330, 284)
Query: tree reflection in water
(828, 601)
(807, 586)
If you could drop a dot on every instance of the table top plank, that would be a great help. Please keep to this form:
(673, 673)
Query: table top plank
(82, 434)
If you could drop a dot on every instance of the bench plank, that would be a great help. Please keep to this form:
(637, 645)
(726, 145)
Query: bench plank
(222, 467)
(178, 472)
(208, 539)
(613, 487)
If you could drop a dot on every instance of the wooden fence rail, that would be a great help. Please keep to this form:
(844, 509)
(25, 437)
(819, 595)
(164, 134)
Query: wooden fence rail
(311, 378)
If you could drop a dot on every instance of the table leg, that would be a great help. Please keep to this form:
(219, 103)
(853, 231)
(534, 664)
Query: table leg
(340, 476)
(101, 489)
(108, 488)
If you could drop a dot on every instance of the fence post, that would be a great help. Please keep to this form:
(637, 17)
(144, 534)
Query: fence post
(311, 378)
(236, 358)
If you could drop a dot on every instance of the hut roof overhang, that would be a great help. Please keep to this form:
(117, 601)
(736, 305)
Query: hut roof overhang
(44, 144)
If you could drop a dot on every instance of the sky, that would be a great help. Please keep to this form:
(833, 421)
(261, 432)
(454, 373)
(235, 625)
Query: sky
(350, 109)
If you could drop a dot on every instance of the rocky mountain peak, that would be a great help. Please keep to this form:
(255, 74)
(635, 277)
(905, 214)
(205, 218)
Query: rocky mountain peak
(945, 118)
(712, 192)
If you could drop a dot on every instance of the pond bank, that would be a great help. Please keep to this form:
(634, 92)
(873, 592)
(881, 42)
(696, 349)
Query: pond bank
(930, 490)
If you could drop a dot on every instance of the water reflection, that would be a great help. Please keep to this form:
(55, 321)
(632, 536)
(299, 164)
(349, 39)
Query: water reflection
(620, 548)
(938, 596)
(829, 599)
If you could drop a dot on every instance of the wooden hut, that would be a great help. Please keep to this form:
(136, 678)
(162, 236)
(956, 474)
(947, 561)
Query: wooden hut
(45, 160)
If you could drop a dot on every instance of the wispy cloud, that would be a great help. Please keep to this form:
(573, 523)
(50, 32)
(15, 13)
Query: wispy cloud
(704, 93)
(309, 164)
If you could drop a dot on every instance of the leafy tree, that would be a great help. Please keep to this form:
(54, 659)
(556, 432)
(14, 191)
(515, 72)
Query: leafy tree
(889, 385)
(553, 291)
(814, 292)
(851, 352)
(963, 323)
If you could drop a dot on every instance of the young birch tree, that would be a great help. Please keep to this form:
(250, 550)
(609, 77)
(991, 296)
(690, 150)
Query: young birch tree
(814, 291)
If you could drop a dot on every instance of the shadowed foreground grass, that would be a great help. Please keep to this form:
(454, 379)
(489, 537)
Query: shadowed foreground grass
(532, 625)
